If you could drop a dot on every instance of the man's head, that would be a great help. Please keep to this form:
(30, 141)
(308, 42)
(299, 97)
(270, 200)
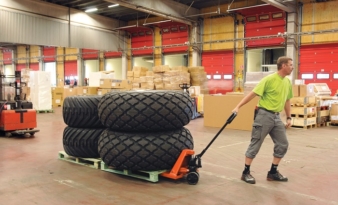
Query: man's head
(285, 65)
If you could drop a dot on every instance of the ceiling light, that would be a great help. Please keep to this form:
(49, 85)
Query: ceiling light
(113, 5)
(91, 10)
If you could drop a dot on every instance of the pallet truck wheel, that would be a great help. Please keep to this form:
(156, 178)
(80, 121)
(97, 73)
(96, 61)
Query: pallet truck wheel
(192, 178)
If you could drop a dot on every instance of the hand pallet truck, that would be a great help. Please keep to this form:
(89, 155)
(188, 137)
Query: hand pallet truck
(187, 164)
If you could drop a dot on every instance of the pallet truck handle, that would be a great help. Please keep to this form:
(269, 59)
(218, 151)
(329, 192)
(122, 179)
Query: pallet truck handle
(229, 120)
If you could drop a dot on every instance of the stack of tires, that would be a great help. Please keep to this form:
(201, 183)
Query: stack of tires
(145, 130)
(80, 137)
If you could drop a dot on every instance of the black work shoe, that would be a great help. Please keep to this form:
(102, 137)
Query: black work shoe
(248, 178)
(276, 177)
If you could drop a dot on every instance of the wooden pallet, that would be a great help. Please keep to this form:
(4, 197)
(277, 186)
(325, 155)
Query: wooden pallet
(305, 127)
(45, 111)
(322, 124)
(89, 162)
(304, 105)
(333, 123)
(304, 115)
(151, 176)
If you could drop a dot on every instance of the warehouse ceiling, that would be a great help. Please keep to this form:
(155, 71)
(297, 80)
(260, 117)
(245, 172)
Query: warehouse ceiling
(128, 14)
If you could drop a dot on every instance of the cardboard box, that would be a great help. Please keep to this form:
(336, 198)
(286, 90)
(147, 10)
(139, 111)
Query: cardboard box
(138, 74)
(304, 101)
(89, 90)
(57, 91)
(57, 101)
(102, 91)
(299, 82)
(69, 92)
(216, 114)
(130, 73)
(306, 90)
(334, 112)
(140, 68)
(303, 111)
(295, 90)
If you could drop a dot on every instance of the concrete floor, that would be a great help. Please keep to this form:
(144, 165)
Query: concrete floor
(30, 172)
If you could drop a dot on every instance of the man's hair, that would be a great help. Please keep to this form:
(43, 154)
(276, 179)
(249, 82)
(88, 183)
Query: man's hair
(282, 60)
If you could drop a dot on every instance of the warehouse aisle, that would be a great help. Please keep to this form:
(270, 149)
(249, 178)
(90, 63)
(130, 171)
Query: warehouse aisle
(30, 172)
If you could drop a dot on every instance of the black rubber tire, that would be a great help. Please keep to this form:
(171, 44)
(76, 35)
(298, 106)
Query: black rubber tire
(81, 111)
(143, 151)
(81, 142)
(145, 111)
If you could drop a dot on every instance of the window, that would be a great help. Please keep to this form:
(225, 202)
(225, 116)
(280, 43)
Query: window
(217, 77)
(335, 76)
(148, 32)
(227, 77)
(307, 76)
(277, 15)
(165, 30)
(141, 33)
(323, 76)
(209, 77)
(174, 29)
(264, 17)
(183, 28)
(251, 18)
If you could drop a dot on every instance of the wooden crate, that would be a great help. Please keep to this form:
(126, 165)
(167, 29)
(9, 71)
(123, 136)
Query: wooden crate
(309, 101)
(304, 122)
(303, 112)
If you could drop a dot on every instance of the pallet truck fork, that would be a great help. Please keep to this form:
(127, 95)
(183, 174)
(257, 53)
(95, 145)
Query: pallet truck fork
(187, 164)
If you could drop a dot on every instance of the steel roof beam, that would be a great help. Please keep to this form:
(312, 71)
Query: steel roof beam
(163, 8)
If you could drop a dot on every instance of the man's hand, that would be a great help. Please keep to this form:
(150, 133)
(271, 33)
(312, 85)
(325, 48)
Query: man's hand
(288, 123)
(235, 110)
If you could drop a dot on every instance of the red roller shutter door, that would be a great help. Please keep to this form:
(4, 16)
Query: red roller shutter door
(49, 54)
(174, 33)
(112, 54)
(7, 57)
(89, 54)
(264, 20)
(320, 59)
(70, 68)
(19, 67)
(142, 38)
(219, 63)
(34, 66)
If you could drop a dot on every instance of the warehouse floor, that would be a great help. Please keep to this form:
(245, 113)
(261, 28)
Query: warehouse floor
(31, 173)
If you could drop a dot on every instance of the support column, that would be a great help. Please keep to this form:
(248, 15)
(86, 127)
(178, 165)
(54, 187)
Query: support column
(196, 54)
(292, 44)
(14, 59)
(124, 65)
(41, 59)
(80, 71)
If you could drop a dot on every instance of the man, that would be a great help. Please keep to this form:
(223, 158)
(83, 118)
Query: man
(275, 92)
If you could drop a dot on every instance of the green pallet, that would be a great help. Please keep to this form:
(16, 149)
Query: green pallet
(89, 162)
(45, 111)
(151, 176)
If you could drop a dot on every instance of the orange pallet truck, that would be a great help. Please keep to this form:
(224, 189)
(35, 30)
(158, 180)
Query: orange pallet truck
(16, 116)
(187, 164)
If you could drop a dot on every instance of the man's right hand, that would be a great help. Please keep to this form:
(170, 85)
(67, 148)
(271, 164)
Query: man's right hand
(235, 110)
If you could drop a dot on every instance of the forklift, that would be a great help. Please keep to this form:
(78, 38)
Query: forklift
(17, 116)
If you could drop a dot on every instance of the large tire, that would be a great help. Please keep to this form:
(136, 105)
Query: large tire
(143, 151)
(81, 111)
(145, 111)
(81, 142)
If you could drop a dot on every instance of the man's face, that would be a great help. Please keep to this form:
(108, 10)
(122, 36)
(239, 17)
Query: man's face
(288, 67)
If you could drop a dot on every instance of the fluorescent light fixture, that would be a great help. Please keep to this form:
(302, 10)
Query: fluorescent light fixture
(113, 5)
(91, 10)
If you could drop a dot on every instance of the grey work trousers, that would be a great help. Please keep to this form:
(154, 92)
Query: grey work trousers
(267, 123)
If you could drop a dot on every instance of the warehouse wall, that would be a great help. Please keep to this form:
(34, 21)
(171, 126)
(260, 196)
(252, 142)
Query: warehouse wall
(40, 23)
(317, 17)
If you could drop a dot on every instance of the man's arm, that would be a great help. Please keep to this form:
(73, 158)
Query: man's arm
(287, 109)
(244, 101)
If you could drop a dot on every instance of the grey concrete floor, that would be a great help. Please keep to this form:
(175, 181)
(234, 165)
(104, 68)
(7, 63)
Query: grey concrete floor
(30, 172)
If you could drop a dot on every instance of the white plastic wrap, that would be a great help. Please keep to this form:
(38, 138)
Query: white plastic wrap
(94, 78)
(40, 86)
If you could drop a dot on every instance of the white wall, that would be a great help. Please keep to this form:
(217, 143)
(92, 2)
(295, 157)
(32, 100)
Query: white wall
(114, 64)
(146, 62)
(254, 60)
(174, 60)
(91, 66)
(51, 67)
